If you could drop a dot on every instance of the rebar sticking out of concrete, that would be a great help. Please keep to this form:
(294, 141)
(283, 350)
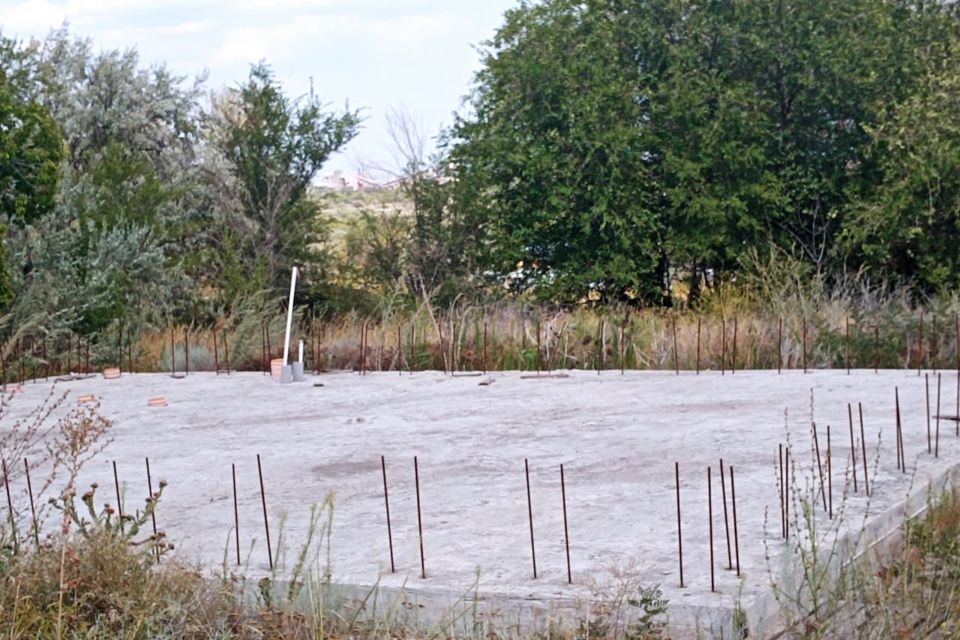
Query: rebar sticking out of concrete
(853, 448)
(901, 457)
(726, 521)
(13, 523)
(416, 477)
(153, 512)
(266, 522)
(863, 445)
(116, 485)
(710, 518)
(829, 475)
(926, 380)
(736, 535)
(786, 497)
(783, 517)
(566, 528)
(533, 549)
(804, 344)
(936, 450)
(236, 512)
(676, 467)
(33, 509)
(386, 503)
(816, 446)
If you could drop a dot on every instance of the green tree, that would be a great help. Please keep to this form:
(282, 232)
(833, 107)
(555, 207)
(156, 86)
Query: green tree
(270, 148)
(907, 224)
(555, 157)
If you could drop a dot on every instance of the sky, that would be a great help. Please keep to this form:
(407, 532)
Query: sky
(417, 57)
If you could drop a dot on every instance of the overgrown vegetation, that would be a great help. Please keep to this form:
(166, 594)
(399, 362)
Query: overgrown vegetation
(609, 153)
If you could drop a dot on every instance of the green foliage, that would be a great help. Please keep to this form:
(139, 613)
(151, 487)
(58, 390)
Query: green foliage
(271, 148)
(614, 148)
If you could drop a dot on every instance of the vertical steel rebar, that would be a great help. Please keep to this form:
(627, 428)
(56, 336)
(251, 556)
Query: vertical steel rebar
(266, 522)
(726, 521)
(829, 475)
(386, 504)
(736, 535)
(236, 511)
(679, 527)
(863, 445)
(566, 528)
(33, 509)
(153, 513)
(710, 518)
(533, 549)
(416, 476)
(13, 522)
(816, 446)
(853, 447)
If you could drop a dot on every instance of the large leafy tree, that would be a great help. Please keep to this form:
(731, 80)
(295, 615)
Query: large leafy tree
(269, 148)
(906, 224)
(555, 156)
(617, 145)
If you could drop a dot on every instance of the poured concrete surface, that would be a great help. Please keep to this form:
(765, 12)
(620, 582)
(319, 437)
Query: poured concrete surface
(617, 437)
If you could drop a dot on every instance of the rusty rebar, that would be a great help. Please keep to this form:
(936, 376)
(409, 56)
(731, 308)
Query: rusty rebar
(783, 517)
(116, 484)
(566, 528)
(726, 521)
(710, 519)
(926, 379)
(679, 526)
(853, 447)
(386, 504)
(863, 446)
(829, 475)
(216, 351)
(416, 477)
(736, 535)
(936, 451)
(153, 512)
(33, 509)
(236, 511)
(786, 487)
(13, 522)
(533, 549)
(901, 460)
(804, 344)
(266, 522)
(816, 446)
(226, 349)
(723, 344)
